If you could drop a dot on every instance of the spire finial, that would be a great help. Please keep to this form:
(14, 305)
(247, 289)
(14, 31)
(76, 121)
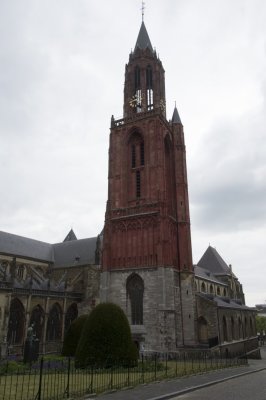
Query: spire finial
(142, 10)
(175, 103)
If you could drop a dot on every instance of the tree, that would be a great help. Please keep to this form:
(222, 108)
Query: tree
(260, 324)
(106, 338)
(73, 335)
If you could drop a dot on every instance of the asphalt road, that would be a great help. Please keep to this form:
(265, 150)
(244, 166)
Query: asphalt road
(248, 387)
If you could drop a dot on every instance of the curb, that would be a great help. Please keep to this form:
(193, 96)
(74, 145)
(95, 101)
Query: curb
(193, 388)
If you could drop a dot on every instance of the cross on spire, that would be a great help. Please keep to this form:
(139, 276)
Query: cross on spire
(142, 10)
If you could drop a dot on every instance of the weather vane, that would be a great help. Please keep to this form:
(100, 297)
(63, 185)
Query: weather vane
(142, 10)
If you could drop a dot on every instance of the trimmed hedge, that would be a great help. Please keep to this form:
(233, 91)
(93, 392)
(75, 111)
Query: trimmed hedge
(73, 335)
(106, 338)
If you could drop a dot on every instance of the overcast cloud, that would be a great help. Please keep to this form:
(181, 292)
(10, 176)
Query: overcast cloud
(61, 78)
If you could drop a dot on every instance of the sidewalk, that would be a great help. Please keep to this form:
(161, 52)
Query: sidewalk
(166, 389)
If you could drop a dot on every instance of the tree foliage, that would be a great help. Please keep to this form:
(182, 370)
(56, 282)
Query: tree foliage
(106, 338)
(260, 324)
(73, 335)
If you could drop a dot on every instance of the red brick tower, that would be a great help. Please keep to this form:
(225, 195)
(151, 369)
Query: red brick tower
(147, 260)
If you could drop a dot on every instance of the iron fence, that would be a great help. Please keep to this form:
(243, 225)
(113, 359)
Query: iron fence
(59, 378)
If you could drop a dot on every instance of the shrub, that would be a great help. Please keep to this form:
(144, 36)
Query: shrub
(106, 339)
(72, 336)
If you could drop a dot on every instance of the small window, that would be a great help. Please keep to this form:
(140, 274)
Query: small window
(138, 191)
(20, 271)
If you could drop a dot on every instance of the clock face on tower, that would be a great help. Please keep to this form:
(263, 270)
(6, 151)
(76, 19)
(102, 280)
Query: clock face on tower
(136, 101)
(133, 101)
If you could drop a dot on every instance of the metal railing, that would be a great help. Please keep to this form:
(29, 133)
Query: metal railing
(59, 378)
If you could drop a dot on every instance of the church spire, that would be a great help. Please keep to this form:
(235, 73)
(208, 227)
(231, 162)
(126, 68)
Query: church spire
(175, 118)
(143, 40)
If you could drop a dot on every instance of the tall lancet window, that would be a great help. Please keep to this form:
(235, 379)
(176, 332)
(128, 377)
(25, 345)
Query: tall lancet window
(135, 290)
(137, 162)
(138, 95)
(149, 88)
(16, 322)
(54, 323)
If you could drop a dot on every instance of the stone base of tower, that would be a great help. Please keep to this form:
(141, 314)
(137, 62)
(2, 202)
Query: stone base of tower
(168, 306)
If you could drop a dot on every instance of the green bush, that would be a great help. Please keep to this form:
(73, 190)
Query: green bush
(72, 336)
(106, 339)
(12, 367)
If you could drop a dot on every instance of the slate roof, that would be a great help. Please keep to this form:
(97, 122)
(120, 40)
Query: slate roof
(65, 254)
(20, 246)
(213, 262)
(75, 252)
(143, 40)
(206, 274)
(70, 236)
(224, 302)
(175, 118)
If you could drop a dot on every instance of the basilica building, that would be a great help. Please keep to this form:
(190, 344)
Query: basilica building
(142, 260)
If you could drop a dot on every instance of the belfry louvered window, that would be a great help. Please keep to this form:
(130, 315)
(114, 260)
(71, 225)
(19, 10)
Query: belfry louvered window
(149, 87)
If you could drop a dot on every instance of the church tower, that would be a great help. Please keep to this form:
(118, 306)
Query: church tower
(147, 259)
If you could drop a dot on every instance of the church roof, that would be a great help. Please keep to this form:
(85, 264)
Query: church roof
(143, 40)
(19, 246)
(75, 252)
(68, 253)
(175, 118)
(70, 236)
(224, 302)
(213, 262)
(207, 275)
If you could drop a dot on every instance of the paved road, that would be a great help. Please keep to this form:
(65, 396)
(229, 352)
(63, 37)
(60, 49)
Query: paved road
(170, 389)
(247, 387)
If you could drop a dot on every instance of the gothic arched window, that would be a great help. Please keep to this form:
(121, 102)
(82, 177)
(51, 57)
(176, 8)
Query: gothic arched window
(138, 94)
(250, 327)
(137, 157)
(135, 290)
(225, 334)
(20, 271)
(71, 315)
(203, 287)
(37, 320)
(54, 323)
(16, 323)
(137, 78)
(232, 328)
(149, 87)
(240, 333)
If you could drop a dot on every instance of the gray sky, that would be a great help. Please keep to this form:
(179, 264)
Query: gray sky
(61, 78)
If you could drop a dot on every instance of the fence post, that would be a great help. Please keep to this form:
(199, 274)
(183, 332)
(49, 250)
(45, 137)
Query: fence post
(39, 393)
(142, 367)
(68, 378)
(155, 366)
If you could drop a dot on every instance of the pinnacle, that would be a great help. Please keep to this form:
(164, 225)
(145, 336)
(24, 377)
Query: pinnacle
(175, 118)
